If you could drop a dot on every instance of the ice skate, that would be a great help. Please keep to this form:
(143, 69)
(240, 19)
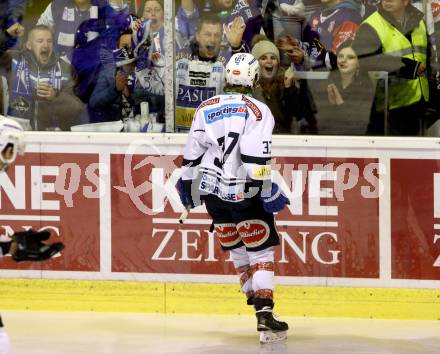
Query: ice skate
(271, 330)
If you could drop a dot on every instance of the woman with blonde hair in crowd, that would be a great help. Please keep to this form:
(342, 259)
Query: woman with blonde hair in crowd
(271, 88)
(277, 87)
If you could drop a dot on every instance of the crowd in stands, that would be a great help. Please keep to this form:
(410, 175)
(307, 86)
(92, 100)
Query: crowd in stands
(351, 67)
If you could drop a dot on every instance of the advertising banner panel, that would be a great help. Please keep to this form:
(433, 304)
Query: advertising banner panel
(31, 198)
(331, 227)
(415, 218)
(365, 217)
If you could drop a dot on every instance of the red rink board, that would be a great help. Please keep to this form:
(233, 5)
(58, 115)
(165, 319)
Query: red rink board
(77, 224)
(330, 230)
(414, 214)
(140, 243)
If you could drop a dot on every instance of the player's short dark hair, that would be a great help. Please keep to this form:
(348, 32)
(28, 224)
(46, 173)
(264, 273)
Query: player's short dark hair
(210, 18)
(40, 28)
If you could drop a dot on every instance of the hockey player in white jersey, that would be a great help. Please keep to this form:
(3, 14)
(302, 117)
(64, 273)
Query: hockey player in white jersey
(26, 245)
(227, 166)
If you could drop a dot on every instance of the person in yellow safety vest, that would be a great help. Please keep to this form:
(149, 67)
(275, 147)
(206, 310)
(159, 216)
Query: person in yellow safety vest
(394, 39)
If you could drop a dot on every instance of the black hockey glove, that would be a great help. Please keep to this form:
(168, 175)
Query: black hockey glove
(28, 246)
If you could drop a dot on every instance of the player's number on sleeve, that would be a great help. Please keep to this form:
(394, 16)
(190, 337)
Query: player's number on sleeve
(226, 151)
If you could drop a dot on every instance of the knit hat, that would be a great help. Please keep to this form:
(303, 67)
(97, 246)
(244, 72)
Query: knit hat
(265, 47)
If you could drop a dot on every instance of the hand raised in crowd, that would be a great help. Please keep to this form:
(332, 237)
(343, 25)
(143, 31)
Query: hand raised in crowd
(289, 78)
(290, 45)
(334, 96)
(234, 31)
(296, 55)
(16, 30)
(46, 91)
(136, 25)
(121, 81)
(155, 57)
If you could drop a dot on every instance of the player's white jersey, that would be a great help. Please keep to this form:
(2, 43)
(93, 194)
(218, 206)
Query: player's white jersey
(228, 145)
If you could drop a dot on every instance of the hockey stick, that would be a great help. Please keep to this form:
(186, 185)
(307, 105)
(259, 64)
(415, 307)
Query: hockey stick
(183, 216)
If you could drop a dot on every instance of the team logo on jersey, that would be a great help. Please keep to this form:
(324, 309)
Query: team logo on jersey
(253, 233)
(222, 112)
(21, 106)
(209, 102)
(227, 234)
(253, 107)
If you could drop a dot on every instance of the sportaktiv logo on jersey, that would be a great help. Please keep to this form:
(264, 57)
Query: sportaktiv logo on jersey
(222, 112)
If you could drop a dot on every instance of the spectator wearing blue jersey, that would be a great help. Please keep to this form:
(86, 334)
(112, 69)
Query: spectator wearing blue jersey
(153, 12)
(226, 10)
(64, 18)
(200, 69)
(95, 40)
(110, 99)
(12, 13)
(328, 28)
(41, 88)
(150, 63)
